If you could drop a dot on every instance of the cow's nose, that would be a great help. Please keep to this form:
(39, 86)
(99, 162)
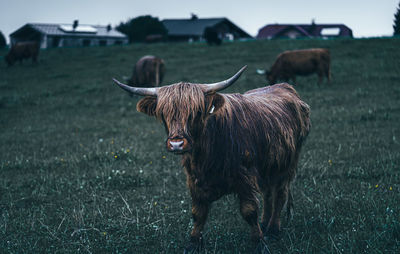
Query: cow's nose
(176, 145)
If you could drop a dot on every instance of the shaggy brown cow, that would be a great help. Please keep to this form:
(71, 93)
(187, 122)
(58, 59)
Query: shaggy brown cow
(23, 50)
(300, 62)
(232, 143)
(148, 71)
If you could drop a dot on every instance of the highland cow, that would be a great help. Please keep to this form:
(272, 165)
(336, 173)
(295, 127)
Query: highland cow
(246, 144)
(300, 62)
(148, 71)
(21, 51)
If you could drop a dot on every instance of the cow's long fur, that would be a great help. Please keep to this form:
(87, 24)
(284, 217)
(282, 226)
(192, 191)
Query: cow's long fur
(249, 145)
(289, 64)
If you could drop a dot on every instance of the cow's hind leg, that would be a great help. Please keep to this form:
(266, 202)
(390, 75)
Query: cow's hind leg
(320, 77)
(279, 197)
(328, 73)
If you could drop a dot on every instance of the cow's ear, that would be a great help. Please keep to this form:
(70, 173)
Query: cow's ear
(215, 102)
(147, 105)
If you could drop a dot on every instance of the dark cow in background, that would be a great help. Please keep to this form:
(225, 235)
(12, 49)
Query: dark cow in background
(23, 50)
(232, 143)
(148, 71)
(300, 62)
(211, 36)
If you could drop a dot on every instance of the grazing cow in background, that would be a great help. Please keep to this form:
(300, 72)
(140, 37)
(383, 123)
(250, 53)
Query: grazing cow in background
(211, 36)
(232, 143)
(23, 50)
(148, 71)
(300, 62)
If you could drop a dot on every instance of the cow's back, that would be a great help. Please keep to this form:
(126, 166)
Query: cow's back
(149, 70)
(282, 101)
(269, 125)
(300, 62)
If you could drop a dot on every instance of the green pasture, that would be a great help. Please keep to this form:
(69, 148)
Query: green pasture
(81, 171)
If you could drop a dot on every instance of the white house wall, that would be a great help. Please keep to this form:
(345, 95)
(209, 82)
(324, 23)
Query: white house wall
(79, 42)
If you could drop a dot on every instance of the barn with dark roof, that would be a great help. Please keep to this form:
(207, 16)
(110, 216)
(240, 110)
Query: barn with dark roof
(193, 29)
(294, 31)
(68, 35)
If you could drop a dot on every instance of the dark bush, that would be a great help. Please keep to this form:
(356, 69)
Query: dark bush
(137, 29)
(396, 25)
(2, 40)
(211, 36)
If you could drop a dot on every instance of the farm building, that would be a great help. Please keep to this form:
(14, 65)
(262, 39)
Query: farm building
(193, 29)
(68, 35)
(294, 31)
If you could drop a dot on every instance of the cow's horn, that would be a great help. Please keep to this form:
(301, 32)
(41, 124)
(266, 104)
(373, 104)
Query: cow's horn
(143, 91)
(215, 87)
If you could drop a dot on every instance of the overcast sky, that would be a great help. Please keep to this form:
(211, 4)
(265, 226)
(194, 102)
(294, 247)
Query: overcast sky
(367, 18)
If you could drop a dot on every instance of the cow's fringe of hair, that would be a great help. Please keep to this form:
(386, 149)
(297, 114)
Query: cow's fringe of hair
(191, 100)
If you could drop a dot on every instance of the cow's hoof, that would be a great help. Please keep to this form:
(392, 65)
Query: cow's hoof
(193, 247)
(271, 232)
(262, 248)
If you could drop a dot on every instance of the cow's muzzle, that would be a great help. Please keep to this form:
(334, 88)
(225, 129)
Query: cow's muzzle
(177, 145)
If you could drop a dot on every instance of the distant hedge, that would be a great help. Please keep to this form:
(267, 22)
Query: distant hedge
(139, 28)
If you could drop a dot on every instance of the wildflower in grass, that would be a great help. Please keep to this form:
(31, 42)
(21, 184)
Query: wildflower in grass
(390, 188)
(141, 171)
(104, 233)
(127, 150)
(155, 203)
(164, 157)
(376, 186)
(116, 156)
(330, 162)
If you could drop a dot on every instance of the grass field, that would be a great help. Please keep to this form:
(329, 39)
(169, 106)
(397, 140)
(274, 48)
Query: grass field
(82, 172)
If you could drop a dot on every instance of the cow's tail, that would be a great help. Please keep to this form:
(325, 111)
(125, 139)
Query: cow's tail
(327, 60)
(157, 73)
(289, 206)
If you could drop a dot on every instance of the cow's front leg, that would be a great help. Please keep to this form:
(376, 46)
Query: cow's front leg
(200, 211)
(249, 211)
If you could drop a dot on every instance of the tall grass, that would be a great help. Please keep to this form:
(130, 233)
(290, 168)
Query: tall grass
(82, 172)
